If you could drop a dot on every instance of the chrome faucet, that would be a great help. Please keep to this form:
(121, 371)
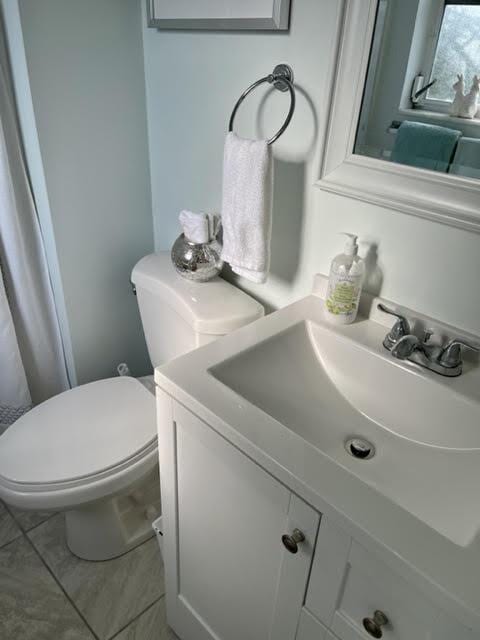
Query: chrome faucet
(445, 360)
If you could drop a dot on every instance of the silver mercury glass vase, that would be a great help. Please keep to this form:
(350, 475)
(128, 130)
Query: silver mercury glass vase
(197, 262)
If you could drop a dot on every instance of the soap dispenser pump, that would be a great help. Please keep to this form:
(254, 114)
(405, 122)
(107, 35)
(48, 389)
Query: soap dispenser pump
(345, 283)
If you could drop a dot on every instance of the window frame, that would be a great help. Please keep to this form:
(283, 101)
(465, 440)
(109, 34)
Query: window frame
(432, 104)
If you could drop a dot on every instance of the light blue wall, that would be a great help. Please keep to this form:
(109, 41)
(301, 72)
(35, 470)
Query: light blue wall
(85, 65)
(193, 80)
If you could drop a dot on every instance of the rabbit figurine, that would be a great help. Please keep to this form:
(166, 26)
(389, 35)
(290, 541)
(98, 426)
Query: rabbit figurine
(457, 104)
(469, 106)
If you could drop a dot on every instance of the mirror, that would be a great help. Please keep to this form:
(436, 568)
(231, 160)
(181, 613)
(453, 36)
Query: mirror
(404, 127)
(419, 105)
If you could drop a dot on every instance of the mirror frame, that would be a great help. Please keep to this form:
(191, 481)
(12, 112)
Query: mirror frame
(448, 199)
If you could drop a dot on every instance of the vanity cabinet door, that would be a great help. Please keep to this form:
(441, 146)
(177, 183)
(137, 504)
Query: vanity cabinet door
(228, 575)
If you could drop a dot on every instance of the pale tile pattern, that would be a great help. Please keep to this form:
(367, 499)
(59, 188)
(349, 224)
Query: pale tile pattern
(29, 519)
(108, 594)
(9, 529)
(32, 605)
(151, 625)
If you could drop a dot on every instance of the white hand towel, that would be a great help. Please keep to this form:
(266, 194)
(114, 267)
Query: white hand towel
(196, 226)
(247, 206)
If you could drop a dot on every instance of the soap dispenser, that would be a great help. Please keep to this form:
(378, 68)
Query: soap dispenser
(345, 283)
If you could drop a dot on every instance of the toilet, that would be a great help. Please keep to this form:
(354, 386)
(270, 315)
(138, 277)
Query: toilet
(91, 451)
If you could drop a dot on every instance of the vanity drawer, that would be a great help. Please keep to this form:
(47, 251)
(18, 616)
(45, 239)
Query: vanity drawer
(309, 628)
(369, 586)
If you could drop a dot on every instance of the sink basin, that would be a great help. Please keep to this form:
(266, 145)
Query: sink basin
(324, 386)
(295, 390)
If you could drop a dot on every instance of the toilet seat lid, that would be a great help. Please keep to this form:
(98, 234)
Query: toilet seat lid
(79, 433)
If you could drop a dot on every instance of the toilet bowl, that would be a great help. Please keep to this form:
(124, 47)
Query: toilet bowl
(92, 451)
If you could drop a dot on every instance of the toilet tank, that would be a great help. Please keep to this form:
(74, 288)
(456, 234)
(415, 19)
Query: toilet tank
(179, 315)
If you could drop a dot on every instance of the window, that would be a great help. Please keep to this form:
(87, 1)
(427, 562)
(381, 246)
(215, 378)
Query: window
(458, 48)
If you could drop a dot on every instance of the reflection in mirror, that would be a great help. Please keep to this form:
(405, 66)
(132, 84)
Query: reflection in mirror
(420, 104)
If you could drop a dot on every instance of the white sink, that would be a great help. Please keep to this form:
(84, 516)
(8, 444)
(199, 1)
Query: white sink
(324, 387)
(291, 390)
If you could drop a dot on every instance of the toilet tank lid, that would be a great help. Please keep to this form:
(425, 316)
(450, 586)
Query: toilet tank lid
(215, 307)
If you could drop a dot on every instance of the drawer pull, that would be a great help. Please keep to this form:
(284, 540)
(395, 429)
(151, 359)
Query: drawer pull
(291, 542)
(373, 626)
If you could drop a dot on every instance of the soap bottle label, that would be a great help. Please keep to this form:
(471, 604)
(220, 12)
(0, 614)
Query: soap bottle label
(342, 295)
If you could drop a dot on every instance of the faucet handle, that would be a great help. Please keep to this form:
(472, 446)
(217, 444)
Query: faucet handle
(404, 347)
(400, 328)
(450, 355)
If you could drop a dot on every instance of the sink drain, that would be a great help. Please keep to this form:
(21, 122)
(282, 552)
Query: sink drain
(360, 448)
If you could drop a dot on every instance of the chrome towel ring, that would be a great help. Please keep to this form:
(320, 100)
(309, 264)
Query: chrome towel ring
(282, 79)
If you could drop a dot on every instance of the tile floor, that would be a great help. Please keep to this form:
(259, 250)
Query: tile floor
(46, 593)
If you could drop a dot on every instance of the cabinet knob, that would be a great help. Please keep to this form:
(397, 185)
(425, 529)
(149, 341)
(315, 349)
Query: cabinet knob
(290, 542)
(373, 626)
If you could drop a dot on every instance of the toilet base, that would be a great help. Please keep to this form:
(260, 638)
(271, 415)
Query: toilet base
(109, 528)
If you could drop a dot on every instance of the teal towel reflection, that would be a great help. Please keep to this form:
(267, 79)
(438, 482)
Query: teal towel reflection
(425, 145)
(466, 161)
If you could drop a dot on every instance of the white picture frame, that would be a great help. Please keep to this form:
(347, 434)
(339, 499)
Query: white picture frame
(265, 15)
(445, 198)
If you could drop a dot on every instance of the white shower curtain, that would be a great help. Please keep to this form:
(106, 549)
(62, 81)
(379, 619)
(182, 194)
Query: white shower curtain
(32, 364)
(15, 396)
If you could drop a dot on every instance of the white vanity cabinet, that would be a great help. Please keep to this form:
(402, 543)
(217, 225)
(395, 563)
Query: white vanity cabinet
(229, 575)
